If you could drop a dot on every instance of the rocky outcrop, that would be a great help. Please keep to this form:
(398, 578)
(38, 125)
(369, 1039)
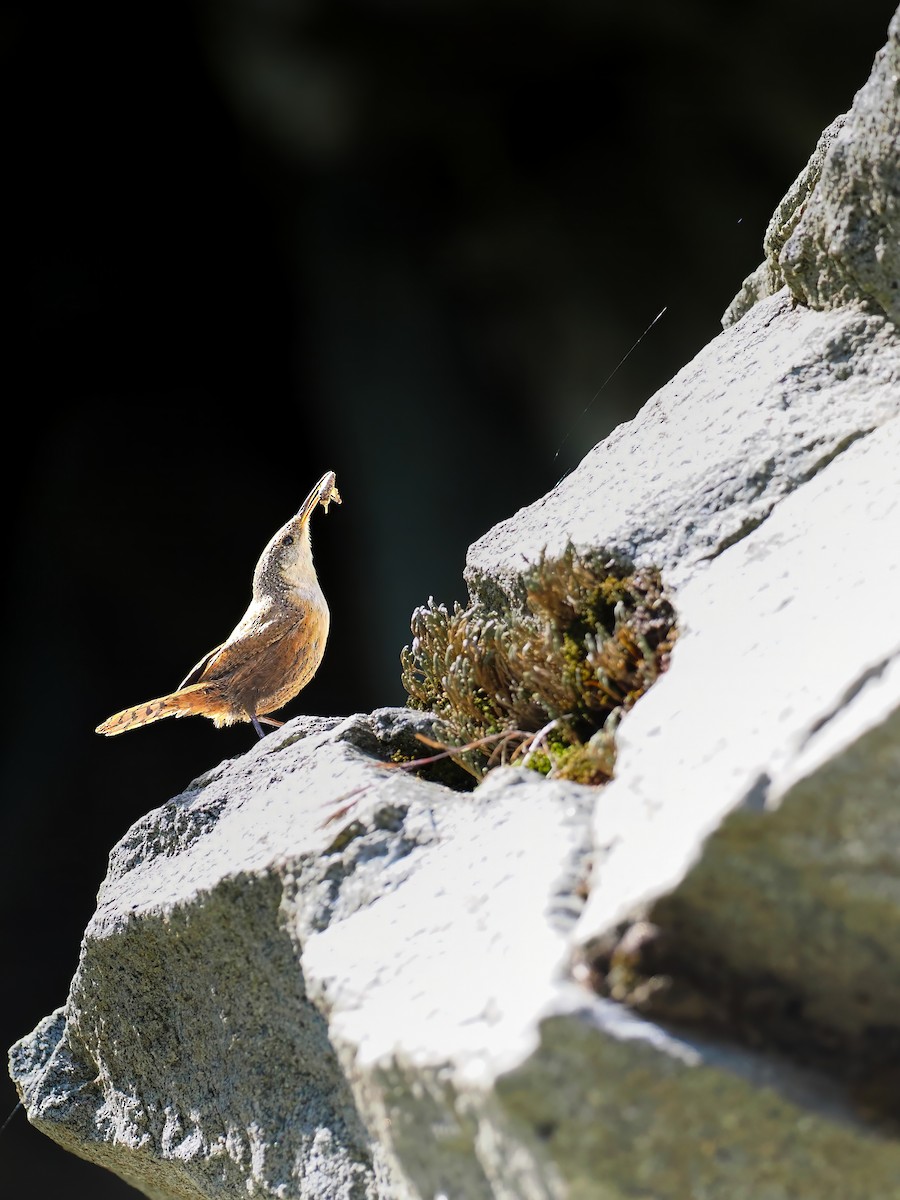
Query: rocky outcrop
(324, 971)
(194, 1056)
(835, 237)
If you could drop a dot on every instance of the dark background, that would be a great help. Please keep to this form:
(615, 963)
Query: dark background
(246, 243)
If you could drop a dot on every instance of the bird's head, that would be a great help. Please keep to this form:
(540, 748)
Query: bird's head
(286, 563)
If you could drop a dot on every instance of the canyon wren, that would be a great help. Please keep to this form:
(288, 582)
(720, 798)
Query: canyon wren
(275, 649)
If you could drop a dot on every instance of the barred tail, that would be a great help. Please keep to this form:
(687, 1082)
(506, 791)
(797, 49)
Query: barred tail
(175, 705)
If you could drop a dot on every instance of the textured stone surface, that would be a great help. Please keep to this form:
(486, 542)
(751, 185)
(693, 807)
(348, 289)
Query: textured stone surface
(383, 1007)
(453, 972)
(621, 1108)
(835, 237)
(782, 709)
(846, 245)
(768, 278)
(188, 1058)
(194, 1056)
(755, 415)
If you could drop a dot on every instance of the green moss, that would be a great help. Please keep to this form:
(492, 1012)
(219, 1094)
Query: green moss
(542, 763)
(588, 642)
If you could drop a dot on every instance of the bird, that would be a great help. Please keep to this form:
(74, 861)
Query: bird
(274, 650)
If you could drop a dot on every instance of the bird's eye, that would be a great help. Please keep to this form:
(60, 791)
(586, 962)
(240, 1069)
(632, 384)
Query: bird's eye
(288, 541)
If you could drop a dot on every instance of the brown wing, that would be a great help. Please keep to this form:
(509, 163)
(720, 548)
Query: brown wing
(195, 673)
(237, 651)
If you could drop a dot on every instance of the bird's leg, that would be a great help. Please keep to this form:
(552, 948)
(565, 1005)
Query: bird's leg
(256, 725)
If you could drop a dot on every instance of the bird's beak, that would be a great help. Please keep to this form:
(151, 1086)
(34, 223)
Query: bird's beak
(325, 492)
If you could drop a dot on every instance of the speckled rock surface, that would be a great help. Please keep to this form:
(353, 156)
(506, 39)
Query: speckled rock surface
(255, 965)
(846, 245)
(768, 278)
(270, 1003)
(835, 237)
(760, 410)
(764, 828)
